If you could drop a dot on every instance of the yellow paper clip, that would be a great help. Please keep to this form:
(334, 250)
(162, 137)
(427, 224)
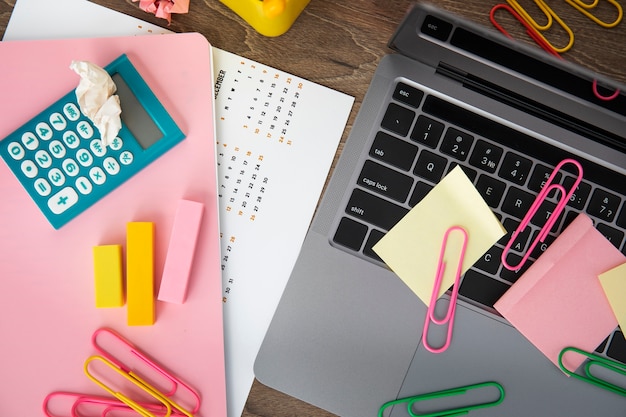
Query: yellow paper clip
(552, 218)
(411, 401)
(551, 16)
(125, 398)
(584, 7)
(449, 317)
(595, 360)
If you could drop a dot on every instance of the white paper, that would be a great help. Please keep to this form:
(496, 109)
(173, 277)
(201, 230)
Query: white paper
(262, 255)
(97, 100)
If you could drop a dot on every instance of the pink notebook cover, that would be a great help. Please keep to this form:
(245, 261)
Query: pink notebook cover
(47, 303)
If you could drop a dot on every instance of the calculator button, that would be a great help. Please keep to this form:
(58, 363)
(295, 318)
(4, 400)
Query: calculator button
(43, 158)
(111, 165)
(29, 168)
(71, 111)
(84, 157)
(70, 167)
(63, 200)
(57, 149)
(97, 148)
(16, 151)
(84, 129)
(56, 176)
(57, 121)
(83, 185)
(71, 140)
(116, 144)
(97, 175)
(126, 158)
(42, 187)
(30, 141)
(43, 131)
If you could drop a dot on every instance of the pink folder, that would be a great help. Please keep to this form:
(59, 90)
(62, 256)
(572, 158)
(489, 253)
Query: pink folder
(47, 302)
(559, 302)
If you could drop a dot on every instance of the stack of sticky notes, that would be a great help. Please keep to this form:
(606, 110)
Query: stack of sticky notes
(140, 282)
(560, 302)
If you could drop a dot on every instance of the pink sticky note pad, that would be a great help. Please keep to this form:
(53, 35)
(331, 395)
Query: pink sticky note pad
(559, 302)
(180, 252)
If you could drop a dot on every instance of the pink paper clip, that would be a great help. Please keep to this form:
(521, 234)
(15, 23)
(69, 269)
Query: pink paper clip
(552, 218)
(174, 390)
(72, 404)
(449, 317)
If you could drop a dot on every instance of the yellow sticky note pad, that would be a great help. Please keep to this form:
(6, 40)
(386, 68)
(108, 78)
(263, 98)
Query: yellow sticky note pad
(412, 247)
(614, 284)
(107, 260)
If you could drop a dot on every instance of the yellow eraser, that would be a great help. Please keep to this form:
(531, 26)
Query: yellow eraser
(140, 273)
(107, 261)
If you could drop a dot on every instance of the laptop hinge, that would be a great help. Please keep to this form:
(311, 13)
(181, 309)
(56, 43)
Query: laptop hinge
(512, 99)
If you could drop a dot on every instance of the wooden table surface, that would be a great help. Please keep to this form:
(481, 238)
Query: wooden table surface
(337, 43)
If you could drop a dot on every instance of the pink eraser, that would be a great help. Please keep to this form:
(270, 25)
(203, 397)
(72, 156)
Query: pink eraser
(180, 252)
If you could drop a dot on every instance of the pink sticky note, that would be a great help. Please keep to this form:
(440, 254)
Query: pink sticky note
(180, 252)
(559, 302)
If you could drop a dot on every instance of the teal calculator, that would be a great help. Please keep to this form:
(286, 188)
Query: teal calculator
(60, 160)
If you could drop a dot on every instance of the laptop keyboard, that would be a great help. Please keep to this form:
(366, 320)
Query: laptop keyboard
(423, 136)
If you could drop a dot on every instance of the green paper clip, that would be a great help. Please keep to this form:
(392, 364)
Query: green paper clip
(410, 401)
(597, 360)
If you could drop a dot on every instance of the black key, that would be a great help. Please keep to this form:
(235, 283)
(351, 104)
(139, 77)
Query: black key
(515, 168)
(427, 131)
(541, 246)
(521, 240)
(540, 175)
(617, 347)
(430, 166)
(373, 238)
(350, 233)
(372, 209)
(490, 261)
(437, 28)
(568, 218)
(481, 288)
(419, 192)
(613, 235)
(398, 119)
(512, 276)
(385, 181)
(545, 212)
(456, 143)
(581, 194)
(393, 151)
(604, 205)
(486, 156)
(621, 219)
(491, 190)
(517, 202)
(408, 95)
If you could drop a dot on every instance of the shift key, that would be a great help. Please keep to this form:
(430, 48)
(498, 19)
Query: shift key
(375, 210)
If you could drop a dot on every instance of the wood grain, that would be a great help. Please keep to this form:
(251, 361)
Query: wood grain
(338, 43)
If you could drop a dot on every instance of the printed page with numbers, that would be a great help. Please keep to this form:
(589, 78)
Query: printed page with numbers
(277, 135)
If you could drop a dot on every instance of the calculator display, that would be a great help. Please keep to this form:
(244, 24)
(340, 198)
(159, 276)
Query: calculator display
(60, 160)
(134, 116)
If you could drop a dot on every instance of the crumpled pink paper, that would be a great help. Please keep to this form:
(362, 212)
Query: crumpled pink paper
(164, 8)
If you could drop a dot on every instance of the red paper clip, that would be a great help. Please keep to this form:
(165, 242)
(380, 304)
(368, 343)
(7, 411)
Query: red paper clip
(552, 218)
(449, 317)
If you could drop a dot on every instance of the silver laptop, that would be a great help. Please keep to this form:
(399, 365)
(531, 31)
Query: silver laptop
(346, 336)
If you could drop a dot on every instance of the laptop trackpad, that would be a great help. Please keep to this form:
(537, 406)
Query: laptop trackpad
(484, 349)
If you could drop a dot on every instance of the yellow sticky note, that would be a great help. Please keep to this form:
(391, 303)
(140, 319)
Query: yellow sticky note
(614, 284)
(412, 247)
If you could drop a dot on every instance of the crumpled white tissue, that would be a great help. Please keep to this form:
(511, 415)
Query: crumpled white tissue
(96, 99)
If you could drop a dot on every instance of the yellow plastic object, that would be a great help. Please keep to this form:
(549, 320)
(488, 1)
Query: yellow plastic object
(140, 273)
(107, 260)
(268, 17)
